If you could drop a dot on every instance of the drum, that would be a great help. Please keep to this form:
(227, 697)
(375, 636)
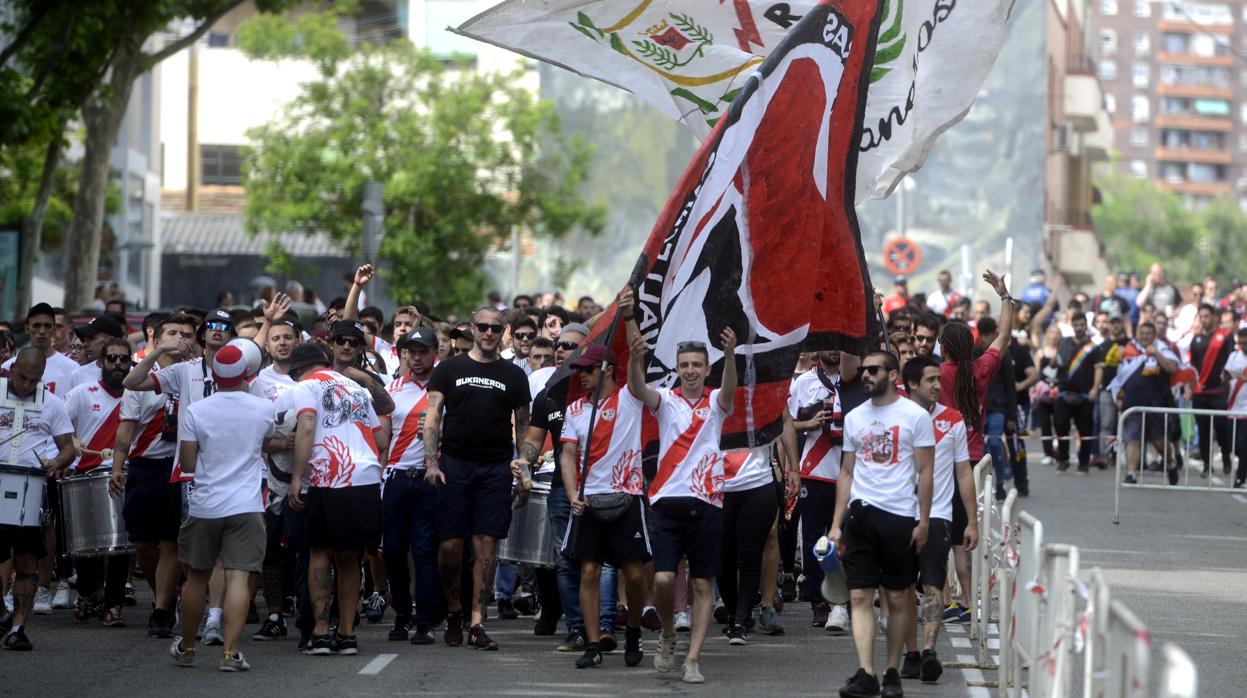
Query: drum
(530, 540)
(94, 526)
(21, 495)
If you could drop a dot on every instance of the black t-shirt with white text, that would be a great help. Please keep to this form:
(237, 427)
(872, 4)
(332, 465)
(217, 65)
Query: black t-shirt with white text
(479, 400)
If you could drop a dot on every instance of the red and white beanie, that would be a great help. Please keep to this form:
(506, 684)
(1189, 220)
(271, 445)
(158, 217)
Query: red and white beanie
(235, 362)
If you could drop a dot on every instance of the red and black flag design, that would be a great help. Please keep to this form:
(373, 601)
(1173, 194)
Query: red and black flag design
(760, 234)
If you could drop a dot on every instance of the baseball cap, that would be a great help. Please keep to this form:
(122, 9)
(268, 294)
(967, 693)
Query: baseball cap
(465, 333)
(421, 335)
(574, 327)
(306, 355)
(594, 355)
(101, 324)
(348, 328)
(40, 309)
(235, 362)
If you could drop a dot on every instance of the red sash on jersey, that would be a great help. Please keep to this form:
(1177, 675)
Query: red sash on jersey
(104, 438)
(822, 445)
(1210, 360)
(603, 431)
(679, 449)
(1238, 386)
(410, 430)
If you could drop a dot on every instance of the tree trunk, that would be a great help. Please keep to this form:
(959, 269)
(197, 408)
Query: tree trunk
(102, 115)
(32, 227)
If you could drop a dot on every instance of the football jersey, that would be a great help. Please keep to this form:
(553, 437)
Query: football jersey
(746, 469)
(690, 463)
(84, 375)
(615, 451)
(58, 371)
(882, 439)
(149, 413)
(344, 450)
(270, 384)
(951, 448)
(820, 457)
(187, 381)
(95, 413)
(407, 444)
(1236, 364)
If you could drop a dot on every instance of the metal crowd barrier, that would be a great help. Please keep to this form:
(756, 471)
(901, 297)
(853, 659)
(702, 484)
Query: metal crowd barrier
(1185, 482)
(981, 563)
(1179, 679)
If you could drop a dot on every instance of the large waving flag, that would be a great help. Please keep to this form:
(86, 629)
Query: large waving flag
(689, 58)
(760, 234)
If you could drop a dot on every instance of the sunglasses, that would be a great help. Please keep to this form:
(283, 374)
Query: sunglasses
(923, 339)
(348, 341)
(690, 346)
(484, 327)
(523, 336)
(568, 346)
(218, 326)
(584, 369)
(872, 370)
(116, 358)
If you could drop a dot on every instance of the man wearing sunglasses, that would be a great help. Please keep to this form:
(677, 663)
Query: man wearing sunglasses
(94, 335)
(468, 450)
(881, 524)
(523, 329)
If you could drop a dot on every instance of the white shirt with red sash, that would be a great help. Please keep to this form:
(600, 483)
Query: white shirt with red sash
(820, 459)
(951, 448)
(615, 451)
(95, 413)
(1235, 366)
(410, 399)
(690, 463)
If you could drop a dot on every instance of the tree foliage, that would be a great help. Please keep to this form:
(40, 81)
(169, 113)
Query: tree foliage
(20, 169)
(1141, 223)
(463, 157)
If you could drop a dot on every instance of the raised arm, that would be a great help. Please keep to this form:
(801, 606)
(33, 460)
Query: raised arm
(273, 313)
(1006, 310)
(1041, 317)
(140, 377)
(636, 352)
(362, 276)
(727, 387)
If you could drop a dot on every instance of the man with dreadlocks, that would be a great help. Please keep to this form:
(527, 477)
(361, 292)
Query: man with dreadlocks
(963, 387)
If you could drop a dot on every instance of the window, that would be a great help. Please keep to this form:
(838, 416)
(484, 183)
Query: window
(1195, 75)
(1138, 135)
(1142, 8)
(1138, 168)
(1212, 107)
(1110, 103)
(1198, 12)
(1140, 75)
(1140, 109)
(1142, 44)
(1108, 42)
(1108, 7)
(1173, 172)
(220, 164)
(1108, 69)
(1242, 142)
(1203, 172)
(1242, 113)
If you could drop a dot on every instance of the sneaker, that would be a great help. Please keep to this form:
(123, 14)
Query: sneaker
(180, 656)
(881, 621)
(129, 599)
(423, 635)
(43, 602)
(665, 659)
(235, 662)
(1047, 460)
(931, 667)
(212, 634)
(321, 646)
(720, 612)
(837, 621)
(768, 622)
(1238, 484)
(953, 612)
(911, 665)
(1062, 466)
(273, 628)
(113, 619)
(506, 610)
(1083, 469)
(683, 621)
(632, 647)
(1175, 474)
(788, 588)
(649, 620)
(374, 607)
(345, 645)
(289, 606)
(401, 629)
(160, 623)
(621, 616)
(607, 642)
(860, 685)
(453, 634)
(525, 604)
(575, 641)
(736, 635)
(692, 672)
(61, 598)
(590, 659)
(85, 609)
(305, 641)
(17, 641)
(546, 626)
(891, 687)
(478, 640)
(819, 615)
(1131, 479)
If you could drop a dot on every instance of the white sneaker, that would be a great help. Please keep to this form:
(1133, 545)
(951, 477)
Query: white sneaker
(665, 659)
(692, 673)
(837, 620)
(61, 598)
(683, 621)
(1047, 460)
(212, 634)
(43, 602)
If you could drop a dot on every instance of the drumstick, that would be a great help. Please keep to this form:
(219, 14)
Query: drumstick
(12, 436)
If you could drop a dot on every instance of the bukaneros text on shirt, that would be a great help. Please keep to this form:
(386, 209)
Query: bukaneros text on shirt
(479, 382)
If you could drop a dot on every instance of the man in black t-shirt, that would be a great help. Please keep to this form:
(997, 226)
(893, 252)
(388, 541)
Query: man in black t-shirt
(473, 400)
(1210, 349)
(1075, 377)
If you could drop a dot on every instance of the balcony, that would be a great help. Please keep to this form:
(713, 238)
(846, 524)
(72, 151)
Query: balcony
(1214, 91)
(1226, 61)
(1083, 101)
(1213, 156)
(1203, 188)
(1097, 145)
(1194, 123)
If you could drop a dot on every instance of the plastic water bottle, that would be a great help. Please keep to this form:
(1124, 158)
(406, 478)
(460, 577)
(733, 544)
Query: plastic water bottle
(826, 555)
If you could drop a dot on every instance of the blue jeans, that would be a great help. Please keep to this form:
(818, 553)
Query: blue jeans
(504, 581)
(559, 511)
(993, 432)
(409, 505)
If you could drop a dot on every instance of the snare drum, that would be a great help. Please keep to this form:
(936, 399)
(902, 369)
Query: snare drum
(21, 495)
(530, 540)
(94, 526)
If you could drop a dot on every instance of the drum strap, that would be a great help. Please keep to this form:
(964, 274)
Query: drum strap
(19, 408)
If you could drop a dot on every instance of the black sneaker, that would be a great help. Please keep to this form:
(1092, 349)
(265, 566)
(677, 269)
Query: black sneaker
(453, 635)
(819, 615)
(590, 659)
(17, 641)
(478, 639)
(860, 685)
(402, 626)
(911, 665)
(546, 626)
(345, 645)
(506, 610)
(1062, 466)
(273, 628)
(788, 588)
(321, 646)
(575, 642)
(129, 599)
(1131, 479)
(736, 635)
(931, 667)
(423, 635)
(891, 687)
(632, 647)
(1083, 469)
(160, 623)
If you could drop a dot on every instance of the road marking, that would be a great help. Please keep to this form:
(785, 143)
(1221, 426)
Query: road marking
(1239, 498)
(960, 641)
(993, 643)
(378, 664)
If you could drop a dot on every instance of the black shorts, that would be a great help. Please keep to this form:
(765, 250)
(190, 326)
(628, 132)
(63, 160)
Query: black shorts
(476, 499)
(153, 506)
(933, 558)
(21, 540)
(348, 518)
(878, 548)
(684, 526)
(623, 540)
(957, 529)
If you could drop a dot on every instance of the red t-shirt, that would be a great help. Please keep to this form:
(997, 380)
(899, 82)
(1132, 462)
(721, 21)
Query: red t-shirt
(984, 368)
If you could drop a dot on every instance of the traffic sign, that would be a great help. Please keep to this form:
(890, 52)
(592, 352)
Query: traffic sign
(902, 256)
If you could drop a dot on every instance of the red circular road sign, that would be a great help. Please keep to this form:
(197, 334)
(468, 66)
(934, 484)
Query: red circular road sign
(902, 256)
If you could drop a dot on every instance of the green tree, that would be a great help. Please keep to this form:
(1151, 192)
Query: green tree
(463, 158)
(21, 168)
